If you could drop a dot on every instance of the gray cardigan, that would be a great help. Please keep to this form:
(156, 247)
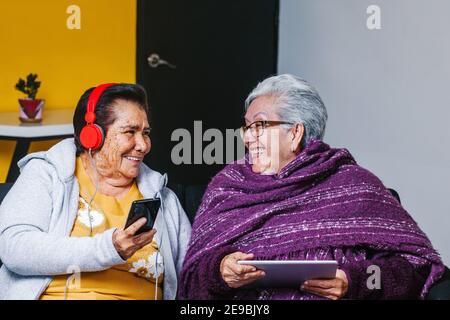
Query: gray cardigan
(37, 216)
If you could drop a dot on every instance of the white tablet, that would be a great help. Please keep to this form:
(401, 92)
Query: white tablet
(291, 273)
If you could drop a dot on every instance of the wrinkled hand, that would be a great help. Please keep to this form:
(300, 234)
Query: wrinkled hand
(236, 275)
(126, 243)
(329, 288)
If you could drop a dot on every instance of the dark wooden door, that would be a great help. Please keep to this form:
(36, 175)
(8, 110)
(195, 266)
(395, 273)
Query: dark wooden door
(220, 49)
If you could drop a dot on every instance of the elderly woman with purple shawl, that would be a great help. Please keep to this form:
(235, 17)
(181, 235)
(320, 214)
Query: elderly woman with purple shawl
(295, 198)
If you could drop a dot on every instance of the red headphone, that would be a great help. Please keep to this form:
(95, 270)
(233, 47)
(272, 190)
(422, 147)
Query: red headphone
(92, 135)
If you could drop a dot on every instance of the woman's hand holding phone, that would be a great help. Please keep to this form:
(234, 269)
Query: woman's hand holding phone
(127, 243)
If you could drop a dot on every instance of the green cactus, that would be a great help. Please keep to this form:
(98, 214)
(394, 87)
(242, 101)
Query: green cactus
(30, 87)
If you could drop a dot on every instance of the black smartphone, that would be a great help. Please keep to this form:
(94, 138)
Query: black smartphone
(147, 208)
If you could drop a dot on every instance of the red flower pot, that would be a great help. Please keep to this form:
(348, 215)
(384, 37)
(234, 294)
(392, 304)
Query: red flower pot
(31, 110)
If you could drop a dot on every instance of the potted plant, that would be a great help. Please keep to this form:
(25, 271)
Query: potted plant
(30, 107)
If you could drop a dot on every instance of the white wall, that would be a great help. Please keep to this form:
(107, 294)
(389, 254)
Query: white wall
(387, 92)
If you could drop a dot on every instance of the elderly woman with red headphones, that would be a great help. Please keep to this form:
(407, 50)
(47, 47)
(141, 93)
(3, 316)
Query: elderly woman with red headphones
(62, 232)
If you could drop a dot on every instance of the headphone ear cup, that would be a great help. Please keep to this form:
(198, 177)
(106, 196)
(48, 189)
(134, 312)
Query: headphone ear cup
(91, 136)
(102, 136)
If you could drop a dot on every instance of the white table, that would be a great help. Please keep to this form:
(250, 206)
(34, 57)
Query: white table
(56, 124)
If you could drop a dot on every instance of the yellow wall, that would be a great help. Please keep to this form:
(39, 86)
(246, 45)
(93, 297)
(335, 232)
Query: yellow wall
(34, 38)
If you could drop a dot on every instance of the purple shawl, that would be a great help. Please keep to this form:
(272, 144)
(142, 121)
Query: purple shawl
(320, 199)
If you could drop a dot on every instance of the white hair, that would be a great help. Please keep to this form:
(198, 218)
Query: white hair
(298, 102)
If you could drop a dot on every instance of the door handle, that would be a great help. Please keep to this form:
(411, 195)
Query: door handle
(154, 61)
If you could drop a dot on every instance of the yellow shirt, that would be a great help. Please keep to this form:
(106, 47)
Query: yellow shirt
(135, 279)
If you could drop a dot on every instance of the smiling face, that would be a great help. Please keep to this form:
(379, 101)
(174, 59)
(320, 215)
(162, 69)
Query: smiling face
(126, 143)
(277, 146)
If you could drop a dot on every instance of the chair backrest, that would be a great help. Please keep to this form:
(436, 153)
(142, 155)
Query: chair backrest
(190, 197)
(4, 189)
(395, 194)
(441, 290)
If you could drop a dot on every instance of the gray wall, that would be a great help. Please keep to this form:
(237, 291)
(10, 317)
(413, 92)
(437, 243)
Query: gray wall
(386, 91)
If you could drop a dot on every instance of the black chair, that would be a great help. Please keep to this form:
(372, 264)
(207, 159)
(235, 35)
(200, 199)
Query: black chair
(4, 189)
(395, 194)
(190, 197)
(441, 290)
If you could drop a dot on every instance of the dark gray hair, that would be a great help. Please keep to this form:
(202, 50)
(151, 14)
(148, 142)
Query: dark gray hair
(298, 102)
(104, 109)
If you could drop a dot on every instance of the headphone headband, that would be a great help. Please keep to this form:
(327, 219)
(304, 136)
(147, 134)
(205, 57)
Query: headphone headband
(93, 99)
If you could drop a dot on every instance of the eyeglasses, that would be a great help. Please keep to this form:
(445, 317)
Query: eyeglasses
(257, 128)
